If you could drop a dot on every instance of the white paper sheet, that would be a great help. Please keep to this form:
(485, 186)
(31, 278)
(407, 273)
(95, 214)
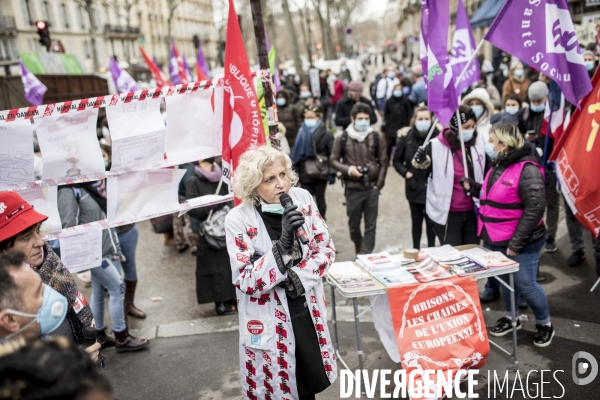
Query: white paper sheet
(138, 135)
(142, 194)
(69, 145)
(16, 153)
(44, 201)
(81, 249)
(218, 116)
(191, 134)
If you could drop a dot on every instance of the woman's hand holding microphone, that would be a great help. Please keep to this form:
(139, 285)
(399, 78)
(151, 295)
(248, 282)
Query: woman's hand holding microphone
(292, 219)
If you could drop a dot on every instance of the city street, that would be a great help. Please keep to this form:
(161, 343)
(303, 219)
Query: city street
(193, 352)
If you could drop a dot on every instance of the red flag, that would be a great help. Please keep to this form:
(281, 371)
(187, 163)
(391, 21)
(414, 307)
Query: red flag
(242, 123)
(199, 74)
(576, 156)
(157, 74)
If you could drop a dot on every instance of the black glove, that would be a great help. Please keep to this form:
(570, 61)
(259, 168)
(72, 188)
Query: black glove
(471, 182)
(292, 219)
(420, 156)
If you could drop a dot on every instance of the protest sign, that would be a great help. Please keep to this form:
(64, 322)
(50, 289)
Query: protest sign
(69, 145)
(138, 134)
(16, 155)
(439, 326)
(81, 249)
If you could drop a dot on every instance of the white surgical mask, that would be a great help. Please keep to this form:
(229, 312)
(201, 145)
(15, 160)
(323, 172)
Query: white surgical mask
(478, 110)
(589, 65)
(423, 125)
(362, 125)
(467, 134)
(519, 73)
(311, 123)
(512, 110)
(489, 150)
(397, 93)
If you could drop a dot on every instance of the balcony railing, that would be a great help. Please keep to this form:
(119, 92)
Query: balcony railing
(120, 30)
(7, 24)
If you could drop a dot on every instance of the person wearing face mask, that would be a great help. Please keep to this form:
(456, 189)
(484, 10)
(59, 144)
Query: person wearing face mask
(30, 309)
(415, 179)
(501, 74)
(453, 216)
(512, 106)
(589, 58)
(485, 82)
(287, 115)
(479, 101)
(517, 83)
(344, 107)
(360, 155)
(530, 125)
(314, 142)
(281, 301)
(386, 87)
(396, 114)
(344, 75)
(304, 98)
(295, 84)
(510, 221)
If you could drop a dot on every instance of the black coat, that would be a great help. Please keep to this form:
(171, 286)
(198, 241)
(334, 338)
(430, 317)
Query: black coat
(343, 108)
(397, 114)
(213, 271)
(533, 199)
(324, 143)
(415, 188)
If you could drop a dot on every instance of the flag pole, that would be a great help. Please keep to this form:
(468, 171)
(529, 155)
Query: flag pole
(263, 61)
(462, 144)
(471, 58)
(428, 138)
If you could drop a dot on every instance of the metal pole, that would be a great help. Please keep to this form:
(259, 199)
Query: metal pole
(462, 144)
(428, 138)
(263, 61)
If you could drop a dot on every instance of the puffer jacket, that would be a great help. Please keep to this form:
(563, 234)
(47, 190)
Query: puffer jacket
(361, 154)
(532, 193)
(287, 115)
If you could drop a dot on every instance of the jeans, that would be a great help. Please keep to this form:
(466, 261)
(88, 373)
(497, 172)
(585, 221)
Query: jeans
(129, 242)
(417, 215)
(108, 277)
(552, 205)
(359, 202)
(460, 229)
(525, 283)
(576, 233)
(317, 189)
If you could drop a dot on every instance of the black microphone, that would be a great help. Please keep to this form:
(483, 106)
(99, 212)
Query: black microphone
(90, 336)
(286, 202)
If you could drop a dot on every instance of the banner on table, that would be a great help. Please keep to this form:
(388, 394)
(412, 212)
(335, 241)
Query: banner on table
(576, 155)
(439, 325)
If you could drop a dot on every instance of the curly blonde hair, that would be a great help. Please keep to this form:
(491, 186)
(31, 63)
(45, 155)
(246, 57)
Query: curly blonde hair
(249, 172)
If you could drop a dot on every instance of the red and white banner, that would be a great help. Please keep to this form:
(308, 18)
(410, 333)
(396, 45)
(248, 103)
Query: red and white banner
(576, 156)
(439, 325)
(242, 122)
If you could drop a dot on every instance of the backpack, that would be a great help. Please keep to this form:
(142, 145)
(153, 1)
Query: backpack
(373, 87)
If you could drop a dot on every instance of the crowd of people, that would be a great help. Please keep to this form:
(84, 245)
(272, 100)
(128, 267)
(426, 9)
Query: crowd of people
(259, 259)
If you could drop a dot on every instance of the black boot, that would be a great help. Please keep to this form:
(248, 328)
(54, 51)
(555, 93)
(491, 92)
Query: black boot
(223, 309)
(105, 340)
(126, 342)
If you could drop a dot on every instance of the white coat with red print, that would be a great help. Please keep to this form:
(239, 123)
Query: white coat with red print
(267, 344)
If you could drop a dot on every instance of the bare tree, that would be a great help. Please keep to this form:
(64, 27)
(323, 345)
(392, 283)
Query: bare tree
(325, 25)
(293, 39)
(88, 6)
(344, 12)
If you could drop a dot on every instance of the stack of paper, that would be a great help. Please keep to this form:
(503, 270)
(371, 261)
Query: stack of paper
(350, 276)
(377, 262)
(493, 259)
(394, 277)
(462, 266)
(428, 270)
(442, 252)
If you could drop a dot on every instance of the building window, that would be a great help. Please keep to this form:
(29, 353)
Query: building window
(86, 49)
(64, 15)
(33, 45)
(80, 17)
(28, 15)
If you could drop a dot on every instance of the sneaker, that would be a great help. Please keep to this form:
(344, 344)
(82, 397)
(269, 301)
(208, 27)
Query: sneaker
(543, 335)
(503, 326)
(550, 245)
(489, 295)
(577, 258)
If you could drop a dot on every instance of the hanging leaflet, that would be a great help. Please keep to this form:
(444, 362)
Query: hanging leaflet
(69, 145)
(81, 249)
(16, 155)
(138, 134)
(143, 194)
(191, 134)
(43, 200)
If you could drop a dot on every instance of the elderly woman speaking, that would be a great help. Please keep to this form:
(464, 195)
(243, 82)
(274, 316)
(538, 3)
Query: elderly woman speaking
(285, 347)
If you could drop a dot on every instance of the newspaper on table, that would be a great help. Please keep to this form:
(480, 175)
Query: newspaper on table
(69, 145)
(441, 252)
(16, 153)
(462, 265)
(377, 261)
(428, 270)
(81, 249)
(138, 195)
(394, 277)
(350, 276)
(44, 201)
(493, 259)
(138, 135)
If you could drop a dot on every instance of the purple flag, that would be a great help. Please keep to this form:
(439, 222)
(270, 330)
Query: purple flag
(541, 33)
(174, 66)
(441, 93)
(463, 46)
(185, 68)
(202, 62)
(34, 89)
(123, 81)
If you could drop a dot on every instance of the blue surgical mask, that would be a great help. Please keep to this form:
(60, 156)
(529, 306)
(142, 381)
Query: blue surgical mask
(311, 123)
(489, 150)
(505, 73)
(343, 68)
(50, 315)
(589, 65)
(423, 125)
(297, 79)
(478, 110)
(467, 134)
(539, 108)
(362, 125)
(512, 110)
(406, 90)
(280, 101)
(519, 73)
(391, 75)
(305, 95)
(272, 208)
(397, 93)
(502, 67)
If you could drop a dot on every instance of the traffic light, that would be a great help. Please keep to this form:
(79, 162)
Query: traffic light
(44, 33)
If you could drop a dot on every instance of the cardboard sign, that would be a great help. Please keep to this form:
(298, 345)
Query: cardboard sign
(439, 325)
